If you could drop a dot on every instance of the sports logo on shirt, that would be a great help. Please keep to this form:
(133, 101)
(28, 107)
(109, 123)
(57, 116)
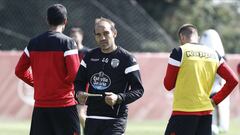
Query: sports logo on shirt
(94, 59)
(200, 54)
(115, 63)
(100, 81)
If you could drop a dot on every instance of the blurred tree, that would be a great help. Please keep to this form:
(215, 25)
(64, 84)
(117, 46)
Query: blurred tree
(205, 14)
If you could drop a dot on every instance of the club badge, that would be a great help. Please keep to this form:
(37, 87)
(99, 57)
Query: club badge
(100, 81)
(115, 63)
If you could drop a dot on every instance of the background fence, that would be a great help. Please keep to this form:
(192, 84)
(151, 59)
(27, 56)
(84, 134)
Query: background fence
(137, 31)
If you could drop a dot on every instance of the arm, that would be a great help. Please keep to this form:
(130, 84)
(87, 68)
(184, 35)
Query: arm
(132, 72)
(80, 83)
(174, 63)
(231, 81)
(72, 61)
(170, 77)
(22, 68)
(136, 90)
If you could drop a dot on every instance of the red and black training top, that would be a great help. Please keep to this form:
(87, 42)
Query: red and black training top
(54, 61)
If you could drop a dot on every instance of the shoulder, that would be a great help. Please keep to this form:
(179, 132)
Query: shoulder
(85, 49)
(64, 37)
(177, 50)
(176, 54)
(36, 40)
(124, 53)
(38, 37)
(95, 52)
(127, 57)
(66, 41)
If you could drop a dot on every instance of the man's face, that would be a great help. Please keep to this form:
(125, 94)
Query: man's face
(104, 36)
(76, 36)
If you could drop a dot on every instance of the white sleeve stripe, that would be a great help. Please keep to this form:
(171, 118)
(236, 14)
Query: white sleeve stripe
(26, 51)
(83, 64)
(100, 117)
(174, 62)
(131, 69)
(70, 52)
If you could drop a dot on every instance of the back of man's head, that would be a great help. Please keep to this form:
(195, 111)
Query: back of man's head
(56, 14)
(187, 30)
(188, 33)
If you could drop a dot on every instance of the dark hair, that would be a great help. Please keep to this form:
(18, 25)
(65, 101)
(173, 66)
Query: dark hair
(56, 14)
(187, 30)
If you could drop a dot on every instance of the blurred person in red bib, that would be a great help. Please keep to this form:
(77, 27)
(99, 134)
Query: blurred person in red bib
(77, 34)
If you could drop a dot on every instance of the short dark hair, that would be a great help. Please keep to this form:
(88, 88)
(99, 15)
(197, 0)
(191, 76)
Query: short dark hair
(187, 30)
(56, 14)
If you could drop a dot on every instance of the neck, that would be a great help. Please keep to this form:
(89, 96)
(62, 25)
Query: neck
(58, 28)
(110, 49)
(190, 40)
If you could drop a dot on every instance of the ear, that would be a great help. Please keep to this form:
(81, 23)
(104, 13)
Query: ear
(115, 33)
(181, 37)
(65, 22)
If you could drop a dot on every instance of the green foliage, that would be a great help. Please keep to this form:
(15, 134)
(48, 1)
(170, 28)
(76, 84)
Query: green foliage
(224, 17)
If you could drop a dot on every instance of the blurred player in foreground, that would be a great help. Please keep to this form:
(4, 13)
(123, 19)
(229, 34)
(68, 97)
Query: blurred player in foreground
(114, 82)
(191, 73)
(221, 113)
(77, 34)
(53, 58)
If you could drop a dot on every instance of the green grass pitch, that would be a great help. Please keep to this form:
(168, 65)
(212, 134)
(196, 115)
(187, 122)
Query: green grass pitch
(156, 127)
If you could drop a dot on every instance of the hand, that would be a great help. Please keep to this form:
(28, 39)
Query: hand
(111, 98)
(82, 97)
